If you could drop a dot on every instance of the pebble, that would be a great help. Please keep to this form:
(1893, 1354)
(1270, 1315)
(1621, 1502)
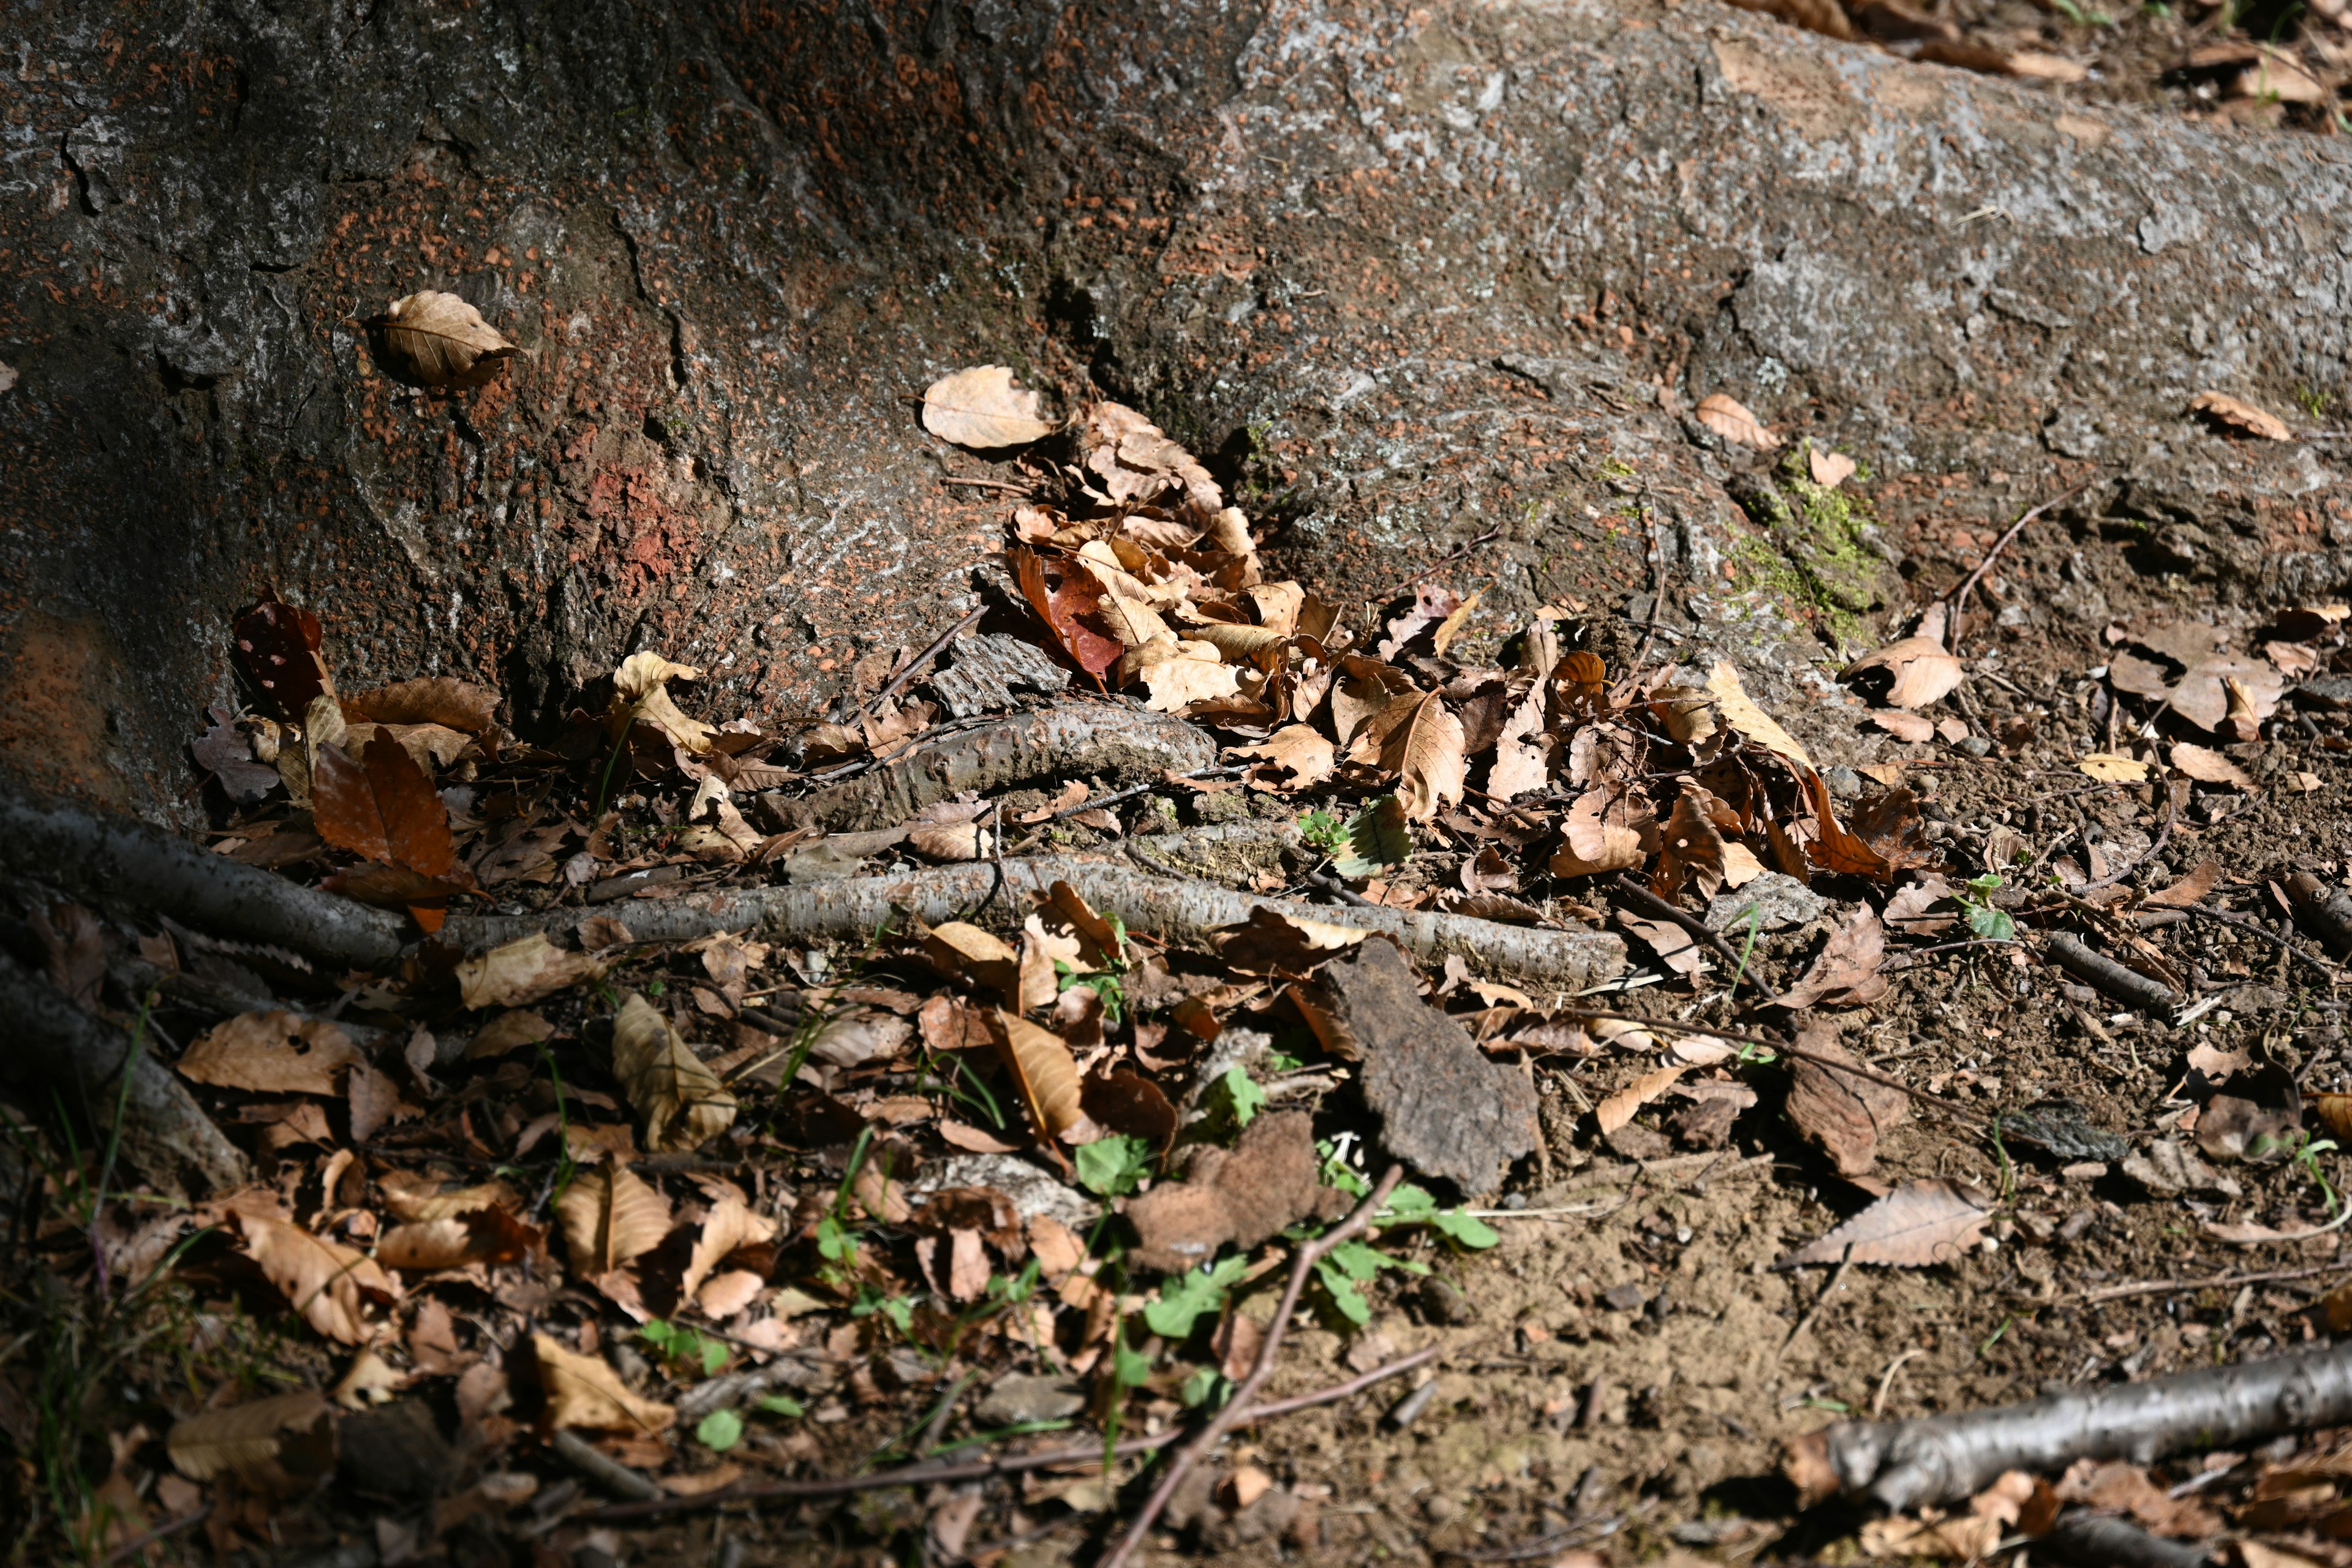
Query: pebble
(1022, 1396)
(1844, 782)
(1780, 900)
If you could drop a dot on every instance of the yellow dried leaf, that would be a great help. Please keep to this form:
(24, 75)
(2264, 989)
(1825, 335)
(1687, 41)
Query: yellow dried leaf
(983, 408)
(640, 694)
(438, 340)
(280, 1445)
(1619, 1108)
(964, 950)
(1731, 420)
(1741, 712)
(682, 1102)
(730, 1224)
(609, 1215)
(271, 1053)
(2108, 768)
(1041, 1065)
(583, 1391)
(327, 1282)
(524, 969)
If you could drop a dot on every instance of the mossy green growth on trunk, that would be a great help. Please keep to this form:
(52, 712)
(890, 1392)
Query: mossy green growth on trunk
(1817, 549)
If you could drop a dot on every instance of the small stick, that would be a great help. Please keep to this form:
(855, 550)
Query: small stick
(2125, 985)
(1302, 1263)
(1096, 802)
(605, 1470)
(1821, 1300)
(2220, 1282)
(2242, 924)
(845, 713)
(1959, 596)
(986, 484)
(2328, 908)
(925, 1472)
(1658, 908)
(169, 1528)
(1415, 580)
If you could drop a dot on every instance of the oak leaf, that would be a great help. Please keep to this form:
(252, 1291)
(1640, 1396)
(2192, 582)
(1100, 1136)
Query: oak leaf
(585, 1392)
(327, 1282)
(271, 1053)
(1914, 1226)
(682, 1102)
(1602, 834)
(983, 408)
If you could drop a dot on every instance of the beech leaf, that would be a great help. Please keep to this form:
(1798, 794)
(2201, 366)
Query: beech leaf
(682, 1102)
(1914, 1226)
(609, 1215)
(585, 1392)
(1420, 740)
(326, 1281)
(280, 1445)
(983, 408)
(1730, 419)
(271, 1053)
(524, 969)
(432, 339)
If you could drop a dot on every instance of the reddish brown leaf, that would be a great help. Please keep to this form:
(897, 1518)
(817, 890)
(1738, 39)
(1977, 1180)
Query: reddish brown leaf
(415, 823)
(1691, 846)
(1847, 971)
(1067, 601)
(439, 700)
(1130, 1103)
(1842, 1112)
(277, 647)
(343, 806)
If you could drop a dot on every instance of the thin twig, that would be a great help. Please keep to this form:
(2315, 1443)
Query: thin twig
(170, 1527)
(1415, 580)
(1099, 803)
(986, 484)
(2171, 815)
(1959, 596)
(2242, 924)
(1828, 1290)
(843, 714)
(926, 1473)
(2220, 1282)
(1302, 1263)
(1657, 908)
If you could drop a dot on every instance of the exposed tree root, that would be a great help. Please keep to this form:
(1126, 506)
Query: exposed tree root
(1185, 912)
(1053, 745)
(1904, 1465)
(169, 1145)
(116, 862)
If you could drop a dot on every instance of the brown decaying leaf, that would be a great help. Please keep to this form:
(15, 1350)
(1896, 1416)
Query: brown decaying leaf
(2207, 766)
(1828, 470)
(2240, 417)
(1064, 597)
(1128, 1102)
(409, 1197)
(1291, 758)
(1619, 1109)
(1420, 740)
(1847, 973)
(440, 700)
(1272, 943)
(1916, 1224)
(610, 1214)
(983, 408)
(271, 1053)
(961, 949)
(1730, 419)
(1833, 848)
(2229, 690)
(2190, 888)
(1602, 834)
(1267, 1182)
(326, 1281)
(1181, 672)
(950, 830)
(682, 1102)
(515, 1026)
(1842, 1113)
(585, 1392)
(731, 1226)
(1689, 846)
(523, 971)
(433, 339)
(1919, 671)
(1741, 712)
(641, 696)
(383, 808)
(374, 1098)
(1045, 1073)
(1909, 727)
(281, 1446)
(278, 645)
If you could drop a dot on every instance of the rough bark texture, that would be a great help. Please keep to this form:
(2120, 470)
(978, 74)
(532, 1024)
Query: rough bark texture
(1404, 273)
(1561, 960)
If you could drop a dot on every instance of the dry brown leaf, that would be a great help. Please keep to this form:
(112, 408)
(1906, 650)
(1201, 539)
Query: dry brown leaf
(610, 1214)
(1451, 626)
(682, 1102)
(1180, 673)
(2240, 417)
(1520, 763)
(730, 1224)
(438, 340)
(1916, 1224)
(440, 701)
(327, 1282)
(280, 1445)
(2228, 688)
(487, 1236)
(950, 830)
(516, 1026)
(1600, 834)
(1272, 943)
(2190, 888)
(1910, 728)
(1291, 758)
(641, 695)
(1847, 973)
(1919, 669)
(963, 950)
(583, 1391)
(1268, 1181)
(271, 1053)
(2208, 766)
(2109, 768)
(523, 971)
(1842, 1113)
(1731, 420)
(983, 408)
(1618, 1109)
(1755, 725)
(1045, 1072)
(1829, 469)
(1130, 458)
(1420, 740)
(368, 1380)
(1689, 845)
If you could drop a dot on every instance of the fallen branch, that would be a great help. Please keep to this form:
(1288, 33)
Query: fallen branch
(1904, 1465)
(1179, 911)
(925, 1473)
(2128, 987)
(1302, 1264)
(1072, 740)
(114, 862)
(167, 1141)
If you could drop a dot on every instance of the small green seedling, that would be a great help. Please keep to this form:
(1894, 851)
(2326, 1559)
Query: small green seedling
(1988, 924)
(677, 1342)
(1115, 1166)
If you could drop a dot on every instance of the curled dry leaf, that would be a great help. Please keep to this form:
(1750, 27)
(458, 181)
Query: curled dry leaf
(2208, 766)
(281, 1446)
(1730, 419)
(1754, 725)
(278, 645)
(1069, 601)
(271, 1053)
(327, 1282)
(409, 1197)
(1602, 835)
(1910, 728)
(1919, 670)
(515, 1026)
(1829, 469)
(2238, 417)
(950, 830)
(523, 971)
(682, 1102)
(1914, 1226)
(610, 1214)
(486, 1236)
(439, 700)
(1615, 1111)
(2190, 888)
(1269, 1181)
(585, 1392)
(731, 1226)
(1847, 973)
(641, 695)
(1690, 846)
(960, 948)
(1045, 1073)
(1420, 740)
(983, 408)
(1291, 758)
(432, 339)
